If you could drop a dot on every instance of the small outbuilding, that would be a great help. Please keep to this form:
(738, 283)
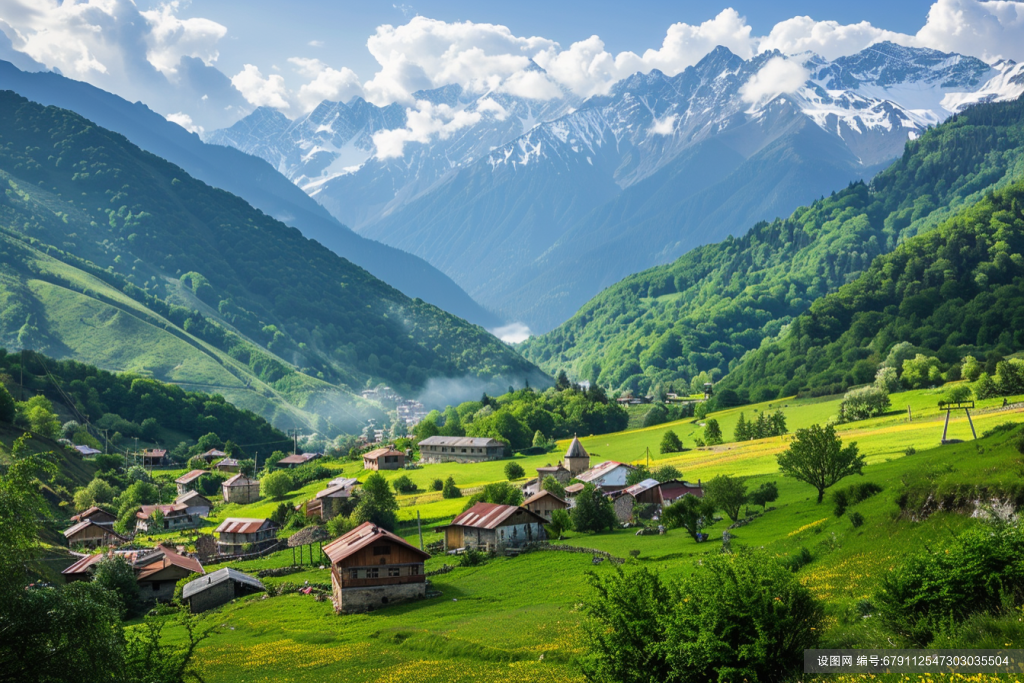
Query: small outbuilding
(213, 454)
(175, 516)
(544, 504)
(188, 482)
(645, 492)
(217, 588)
(384, 459)
(236, 535)
(372, 568)
(158, 572)
(488, 526)
(228, 465)
(154, 457)
(241, 489)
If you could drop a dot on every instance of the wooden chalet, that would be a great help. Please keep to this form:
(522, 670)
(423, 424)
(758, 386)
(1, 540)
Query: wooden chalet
(241, 489)
(384, 459)
(213, 454)
(82, 570)
(238, 535)
(196, 504)
(297, 460)
(372, 567)
(188, 482)
(158, 572)
(228, 465)
(322, 504)
(488, 526)
(544, 503)
(219, 587)
(154, 457)
(89, 534)
(97, 515)
(175, 516)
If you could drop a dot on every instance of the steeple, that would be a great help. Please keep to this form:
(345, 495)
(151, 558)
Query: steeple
(576, 458)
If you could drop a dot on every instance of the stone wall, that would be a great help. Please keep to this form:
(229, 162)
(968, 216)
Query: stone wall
(214, 596)
(623, 507)
(366, 598)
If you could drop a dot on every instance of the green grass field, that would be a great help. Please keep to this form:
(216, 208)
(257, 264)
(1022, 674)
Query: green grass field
(518, 619)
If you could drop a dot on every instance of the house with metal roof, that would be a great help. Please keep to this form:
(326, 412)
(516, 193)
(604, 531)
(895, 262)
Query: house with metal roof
(322, 504)
(646, 492)
(675, 489)
(157, 573)
(86, 451)
(241, 489)
(97, 515)
(154, 457)
(544, 504)
(89, 534)
(488, 526)
(188, 482)
(196, 504)
(228, 465)
(213, 454)
(384, 459)
(175, 516)
(608, 476)
(460, 449)
(241, 535)
(297, 459)
(217, 588)
(372, 568)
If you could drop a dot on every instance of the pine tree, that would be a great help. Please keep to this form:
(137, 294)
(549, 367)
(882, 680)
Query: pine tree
(742, 432)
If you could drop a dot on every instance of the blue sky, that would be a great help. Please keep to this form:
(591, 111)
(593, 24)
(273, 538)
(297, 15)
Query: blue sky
(207, 63)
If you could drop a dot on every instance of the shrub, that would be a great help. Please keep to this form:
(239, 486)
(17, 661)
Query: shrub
(437, 485)
(560, 523)
(276, 484)
(856, 519)
(450, 490)
(860, 404)
(766, 493)
(909, 450)
(798, 560)
(471, 558)
(116, 575)
(958, 394)
(738, 617)
(404, 484)
(514, 470)
(377, 503)
(593, 511)
(670, 442)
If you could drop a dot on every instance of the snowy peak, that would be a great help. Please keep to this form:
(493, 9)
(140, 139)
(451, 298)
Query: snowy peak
(886, 65)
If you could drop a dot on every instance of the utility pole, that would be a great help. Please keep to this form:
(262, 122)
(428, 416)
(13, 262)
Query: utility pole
(136, 460)
(419, 528)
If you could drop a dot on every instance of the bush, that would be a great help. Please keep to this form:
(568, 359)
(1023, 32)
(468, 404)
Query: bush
(766, 493)
(437, 485)
(514, 470)
(560, 523)
(856, 519)
(116, 575)
(860, 404)
(471, 558)
(450, 490)
(553, 486)
(276, 484)
(671, 443)
(798, 560)
(738, 617)
(404, 484)
(593, 511)
(958, 394)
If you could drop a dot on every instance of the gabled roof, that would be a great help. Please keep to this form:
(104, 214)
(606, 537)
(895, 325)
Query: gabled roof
(86, 514)
(192, 498)
(147, 510)
(218, 577)
(640, 487)
(164, 558)
(240, 480)
(298, 458)
(154, 453)
(189, 477)
(331, 491)
(82, 565)
(373, 455)
(542, 494)
(552, 468)
(601, 470)
(576, 450)
(213, 453)
(347, 482)
(242, 525)
(362, 536)
(68, 533)
(228, 462)
(87, 450)
(490, 515)
(478, 442)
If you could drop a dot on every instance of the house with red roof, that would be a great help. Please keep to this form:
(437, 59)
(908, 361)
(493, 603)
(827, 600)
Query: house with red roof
(239, 535)
(488, 526)
(372, 568)
(89, 534)
(175, 516)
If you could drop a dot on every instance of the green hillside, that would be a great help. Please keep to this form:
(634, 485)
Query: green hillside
(953, 292)
(702, 312)
(116, 257)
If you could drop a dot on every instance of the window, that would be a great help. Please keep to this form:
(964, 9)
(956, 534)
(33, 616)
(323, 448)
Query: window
(373, 573)
(414, 570)
(381, 550)
(394, 571)
(353, 573)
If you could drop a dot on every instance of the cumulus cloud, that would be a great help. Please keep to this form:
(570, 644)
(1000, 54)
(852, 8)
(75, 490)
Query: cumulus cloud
(170, 38)
(664, 126)
(259, 91)
(337, 85)
(512, 333)
(990, 30)
(422, 124)
(185, 121)
(778, 76)
(830, 39)
(487, 105)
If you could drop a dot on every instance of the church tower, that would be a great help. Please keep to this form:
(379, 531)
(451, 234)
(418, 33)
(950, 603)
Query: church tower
(577, 459)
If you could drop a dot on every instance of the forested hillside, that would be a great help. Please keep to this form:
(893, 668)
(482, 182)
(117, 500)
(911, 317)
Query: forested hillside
(109, 252)
(953, 292)
(695, 318)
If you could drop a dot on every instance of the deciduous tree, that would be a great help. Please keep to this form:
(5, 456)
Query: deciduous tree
(817, 457)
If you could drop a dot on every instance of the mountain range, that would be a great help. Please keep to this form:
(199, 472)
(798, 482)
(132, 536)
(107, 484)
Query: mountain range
(538, 205)
(116, 257)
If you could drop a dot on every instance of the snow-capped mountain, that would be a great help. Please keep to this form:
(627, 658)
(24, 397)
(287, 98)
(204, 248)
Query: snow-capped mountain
(534, 206)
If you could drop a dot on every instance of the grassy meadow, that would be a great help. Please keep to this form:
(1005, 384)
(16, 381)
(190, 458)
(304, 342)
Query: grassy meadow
(518, 619)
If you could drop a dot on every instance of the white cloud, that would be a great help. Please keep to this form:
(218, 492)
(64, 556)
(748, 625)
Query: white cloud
(830, 39)
(260, 91)
(512, 333)
(185, 121)
(326, 84)
(665, 126)
(778, 76)
(488, 105)
(171, 38)
(422, 124)
(990, 30)
(316, 43)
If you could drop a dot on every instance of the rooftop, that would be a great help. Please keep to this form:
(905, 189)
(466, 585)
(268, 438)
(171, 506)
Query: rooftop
(477, 442)
(241, 525)
(542, 494)
(240, 480)
(640, 487)
(600, 470)
(489, 515)
(373, 455)
(362, 536)
(218, 577)
(190, 477)
(576, 450)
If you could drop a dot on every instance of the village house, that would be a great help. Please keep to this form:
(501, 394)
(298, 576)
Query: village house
(154, 457)
(577, 460)
(238, 535)
(297, 459)
(89, 534)
(322, 504)
(175, 516)
(228, 465)
(213, 454)
(372, 567)
(196, 504)
(86, 451)
(646, 492)
(674, 489)
(384, 459)
(158, 572)
(188, 482)
(488, 526)
(241, 489)
(217, 588)
(544, 503)
(96, 515)
(82, 569)
(609, 476)
(437, 449)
